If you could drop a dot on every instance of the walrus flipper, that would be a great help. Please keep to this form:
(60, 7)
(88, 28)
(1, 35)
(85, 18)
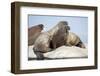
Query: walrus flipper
(39, 54)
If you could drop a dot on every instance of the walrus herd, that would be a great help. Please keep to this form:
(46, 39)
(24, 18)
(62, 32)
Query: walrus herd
(47, 41)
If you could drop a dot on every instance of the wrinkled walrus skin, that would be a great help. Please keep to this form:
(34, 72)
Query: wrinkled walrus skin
(33, 33)
(44, 42)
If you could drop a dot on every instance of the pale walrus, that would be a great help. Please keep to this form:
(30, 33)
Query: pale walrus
(73, 40)
(33, 33)
(44, 42)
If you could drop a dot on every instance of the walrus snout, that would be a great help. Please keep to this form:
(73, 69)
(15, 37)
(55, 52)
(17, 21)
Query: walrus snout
(81, 44)
(68, 27)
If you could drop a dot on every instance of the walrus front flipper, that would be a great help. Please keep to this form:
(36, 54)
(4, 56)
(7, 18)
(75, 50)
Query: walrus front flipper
(39, 55)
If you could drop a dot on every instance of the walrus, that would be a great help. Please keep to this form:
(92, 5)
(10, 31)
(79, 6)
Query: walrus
(73, 40)
(44, 43)
(33, 33)
(59, 38)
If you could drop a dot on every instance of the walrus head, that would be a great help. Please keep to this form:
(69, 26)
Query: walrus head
(34, 32)
(64, 23)
(41, 26)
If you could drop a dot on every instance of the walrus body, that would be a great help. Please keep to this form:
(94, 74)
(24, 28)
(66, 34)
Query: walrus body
(42, 43)
(46, 41)
(73, 40)
(33, 33)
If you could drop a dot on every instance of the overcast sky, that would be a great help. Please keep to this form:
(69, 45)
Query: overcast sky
(78, 25)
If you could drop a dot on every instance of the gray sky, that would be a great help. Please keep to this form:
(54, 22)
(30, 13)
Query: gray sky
(78, 25)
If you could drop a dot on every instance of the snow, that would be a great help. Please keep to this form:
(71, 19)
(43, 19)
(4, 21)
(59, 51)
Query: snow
(62, 52)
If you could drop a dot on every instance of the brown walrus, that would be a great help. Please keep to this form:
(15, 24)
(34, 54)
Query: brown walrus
(59, 38)
(33, 33)
(44, 42)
